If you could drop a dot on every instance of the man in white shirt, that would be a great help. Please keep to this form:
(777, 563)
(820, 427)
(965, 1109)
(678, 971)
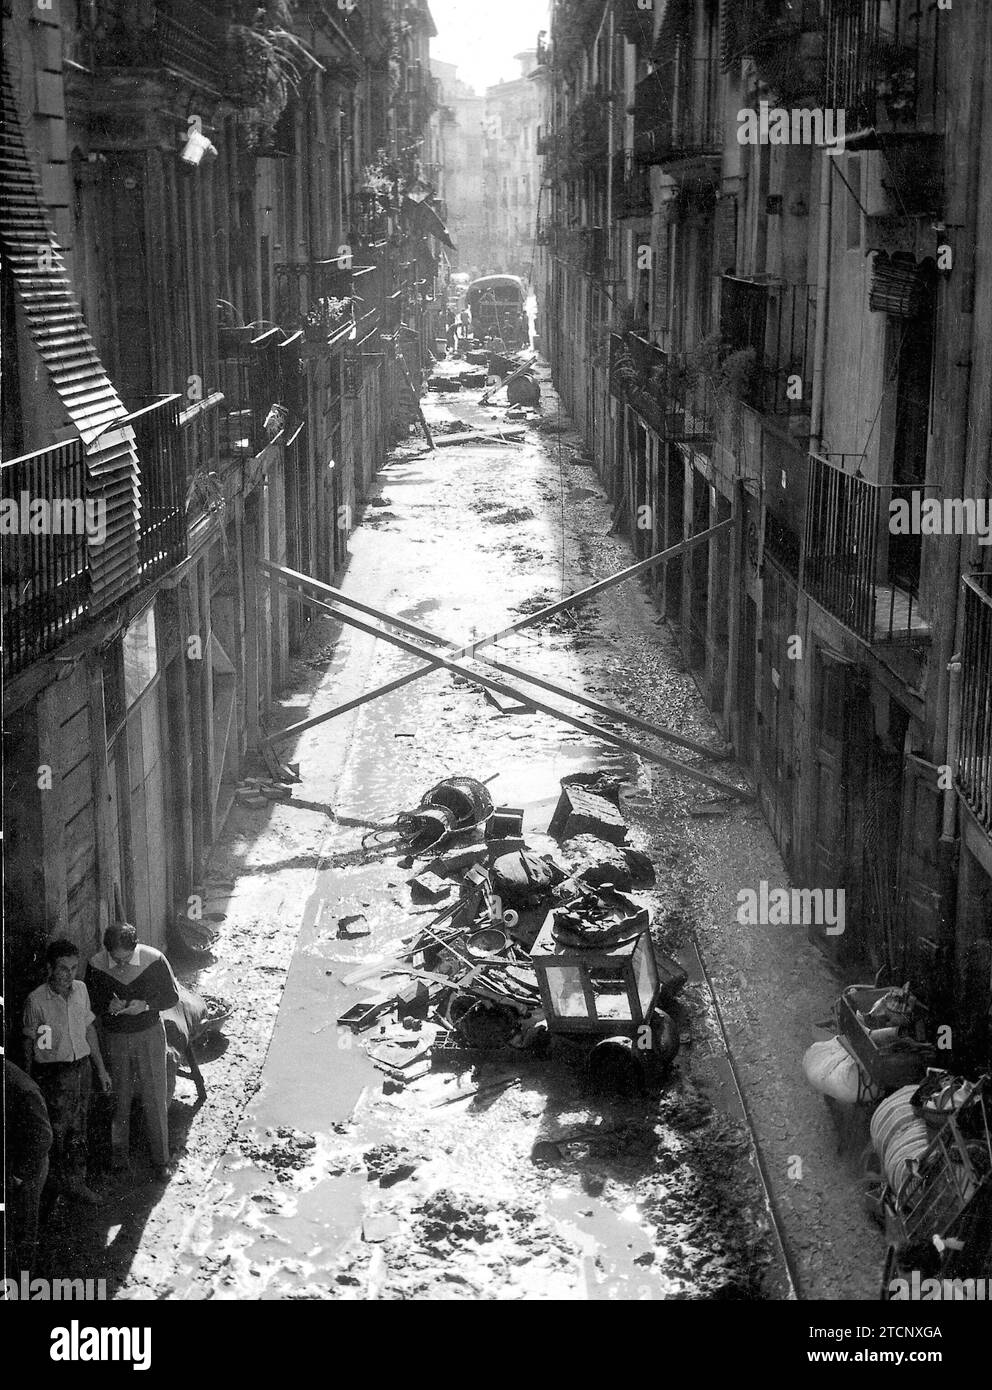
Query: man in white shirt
(61, 1047)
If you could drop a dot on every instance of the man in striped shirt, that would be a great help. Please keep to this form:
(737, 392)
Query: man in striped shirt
(131, 985)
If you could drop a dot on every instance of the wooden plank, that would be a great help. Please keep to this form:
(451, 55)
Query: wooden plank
(485, 683)
(582, 596)
(607, 711)
(509, 436)
(80, 864)
(207, 695)
(251, 586)
(52, 819)
(77, 790)
(102, 802)
(75, 736)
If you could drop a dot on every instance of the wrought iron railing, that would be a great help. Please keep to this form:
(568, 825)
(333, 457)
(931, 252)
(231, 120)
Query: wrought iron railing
(200, 439)
(847, 550)
(676, 403)
(183, 36)
(45, 576)
(250, 380)
(777, 323)
(882, 62)
(162, 514)
(974, 770)
(677, 112)
(631, 186)
(309, 297)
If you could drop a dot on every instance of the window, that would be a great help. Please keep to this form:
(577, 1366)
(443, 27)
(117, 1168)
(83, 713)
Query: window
(568, 998)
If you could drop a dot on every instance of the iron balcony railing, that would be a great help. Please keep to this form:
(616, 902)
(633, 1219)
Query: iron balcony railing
(250, 381)
(974, 770)
(675, 402)
(182, 36)
(309, 296)
(162, 514)
(631, 186)
(848, 548)
(882, 62)
(46, 578)
(200, 440)
(677, 113)
(775, 322)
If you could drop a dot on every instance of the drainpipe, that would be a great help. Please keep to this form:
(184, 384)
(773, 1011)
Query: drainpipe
(822, 277)
(609, 154)
(948, 832)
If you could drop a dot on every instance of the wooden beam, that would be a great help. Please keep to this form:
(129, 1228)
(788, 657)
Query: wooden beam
(52, 821)
(590, 730)
(295, 580)
(416, 399)
(101, 779)
(472, 648)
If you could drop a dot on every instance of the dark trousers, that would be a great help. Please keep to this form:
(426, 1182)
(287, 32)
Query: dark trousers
(66, 1088)
(23, 1207)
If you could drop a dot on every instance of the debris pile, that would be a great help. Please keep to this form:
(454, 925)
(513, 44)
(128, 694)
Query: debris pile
(470, 981)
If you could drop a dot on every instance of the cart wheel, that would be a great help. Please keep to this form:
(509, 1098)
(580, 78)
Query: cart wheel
(615, 1065)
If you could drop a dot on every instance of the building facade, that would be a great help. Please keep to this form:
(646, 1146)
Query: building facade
(753, 321)
(463, 123)
(511, 173)
(222, 258)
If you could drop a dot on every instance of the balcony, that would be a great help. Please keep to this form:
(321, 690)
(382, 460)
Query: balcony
(200, 434)
(974, 769)
(314, 297)
(251, 384)
(776, 323)
(677, 118)
(674, 400)
(162, 519)
(46, 578)
(631, 186)
(884, 74)
(182, 36)
(852, 566)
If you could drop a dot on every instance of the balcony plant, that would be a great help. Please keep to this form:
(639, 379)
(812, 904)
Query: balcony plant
(896, 80)
(326, 317)
(267, 65)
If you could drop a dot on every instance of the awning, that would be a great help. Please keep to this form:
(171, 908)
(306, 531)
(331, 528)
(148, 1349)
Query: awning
(426, 220)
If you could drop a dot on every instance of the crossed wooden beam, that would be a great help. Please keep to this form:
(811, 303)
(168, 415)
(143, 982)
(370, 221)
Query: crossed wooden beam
(337, 603)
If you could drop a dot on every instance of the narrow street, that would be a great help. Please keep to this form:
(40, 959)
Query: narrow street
(324, 1186)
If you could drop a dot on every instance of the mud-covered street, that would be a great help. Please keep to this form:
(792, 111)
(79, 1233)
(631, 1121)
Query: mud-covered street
(303, 1175)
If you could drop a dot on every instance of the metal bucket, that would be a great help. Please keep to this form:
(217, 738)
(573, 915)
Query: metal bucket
(466, 797)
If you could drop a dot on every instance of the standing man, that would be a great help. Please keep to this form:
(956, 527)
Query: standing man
(61, 1047)
(131, 984)
(27, 1140)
